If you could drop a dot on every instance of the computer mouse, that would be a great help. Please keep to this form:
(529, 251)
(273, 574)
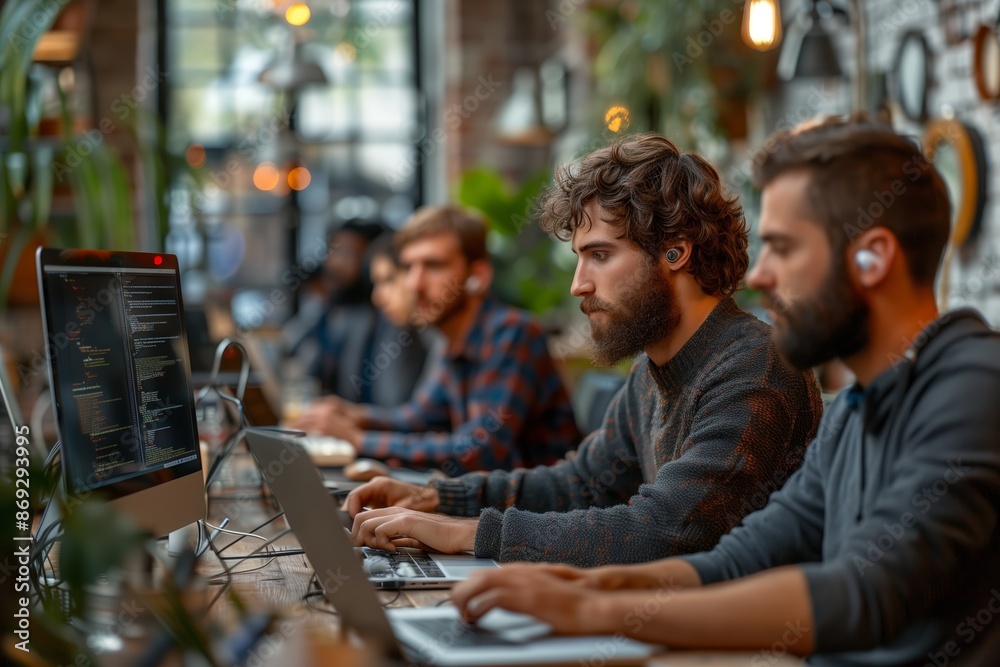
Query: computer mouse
(363, 470)
(376, 564)
(407, 570)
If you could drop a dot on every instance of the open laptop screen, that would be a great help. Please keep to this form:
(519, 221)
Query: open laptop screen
(120, 375)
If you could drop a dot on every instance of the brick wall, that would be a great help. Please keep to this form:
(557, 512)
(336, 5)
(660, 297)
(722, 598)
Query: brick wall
(974, 277)
(484, 43)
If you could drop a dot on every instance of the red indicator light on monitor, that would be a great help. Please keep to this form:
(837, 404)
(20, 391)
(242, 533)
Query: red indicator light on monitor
(158, 260)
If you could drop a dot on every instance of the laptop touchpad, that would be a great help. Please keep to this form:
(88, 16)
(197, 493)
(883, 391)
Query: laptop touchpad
(513, 627)
(460, 567)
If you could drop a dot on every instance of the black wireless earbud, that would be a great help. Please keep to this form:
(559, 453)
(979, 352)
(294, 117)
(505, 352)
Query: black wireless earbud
(673, 255)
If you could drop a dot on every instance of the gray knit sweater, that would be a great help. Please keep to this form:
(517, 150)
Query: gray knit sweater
(686, 451)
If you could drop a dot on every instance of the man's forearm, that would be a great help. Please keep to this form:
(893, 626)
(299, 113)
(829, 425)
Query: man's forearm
(758, 612)
(669, 573)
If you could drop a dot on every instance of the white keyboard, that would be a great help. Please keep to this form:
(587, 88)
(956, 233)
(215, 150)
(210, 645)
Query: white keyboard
(327, 451)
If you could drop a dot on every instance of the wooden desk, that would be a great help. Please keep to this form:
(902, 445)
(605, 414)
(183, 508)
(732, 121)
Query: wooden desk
(284, 582)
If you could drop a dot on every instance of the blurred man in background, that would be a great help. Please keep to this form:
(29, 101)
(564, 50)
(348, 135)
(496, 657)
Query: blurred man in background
(495, 400)
(406, 349)
(335, 347)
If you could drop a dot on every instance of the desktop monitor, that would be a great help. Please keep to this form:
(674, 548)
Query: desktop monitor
(121, 383)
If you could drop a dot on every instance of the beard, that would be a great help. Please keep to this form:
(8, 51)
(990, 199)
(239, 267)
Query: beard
(437, 312)
(645, 313)
(831, 324)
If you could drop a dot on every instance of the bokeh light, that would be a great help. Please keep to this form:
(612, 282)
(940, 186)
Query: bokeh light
(616, 118)
(195, 155)
(298, 14)
(299, 178)
(266, 176)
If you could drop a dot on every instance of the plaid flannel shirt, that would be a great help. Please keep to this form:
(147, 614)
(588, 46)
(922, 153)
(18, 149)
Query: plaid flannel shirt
(494, 402)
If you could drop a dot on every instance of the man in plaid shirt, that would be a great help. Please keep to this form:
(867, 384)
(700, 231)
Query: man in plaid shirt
(495, 400)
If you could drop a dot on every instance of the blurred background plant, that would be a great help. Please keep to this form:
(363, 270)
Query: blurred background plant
(678, 68)
(532, 270)
(62, 182)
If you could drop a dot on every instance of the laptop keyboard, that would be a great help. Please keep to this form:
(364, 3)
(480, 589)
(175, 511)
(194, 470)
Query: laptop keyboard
(454, 632)
(412, 565)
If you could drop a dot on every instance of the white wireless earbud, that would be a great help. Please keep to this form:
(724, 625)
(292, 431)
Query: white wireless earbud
(866, 260)
(473, 284)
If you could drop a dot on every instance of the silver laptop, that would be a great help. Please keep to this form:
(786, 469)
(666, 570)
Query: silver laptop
(428, 636)
(404, 568)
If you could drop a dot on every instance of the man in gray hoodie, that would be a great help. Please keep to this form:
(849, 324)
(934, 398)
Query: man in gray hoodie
(883, 548)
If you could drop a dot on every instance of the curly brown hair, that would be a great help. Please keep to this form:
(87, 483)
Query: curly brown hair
(468, 227)
(658, 195)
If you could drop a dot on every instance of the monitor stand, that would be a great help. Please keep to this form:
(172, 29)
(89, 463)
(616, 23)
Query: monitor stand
(191, 536)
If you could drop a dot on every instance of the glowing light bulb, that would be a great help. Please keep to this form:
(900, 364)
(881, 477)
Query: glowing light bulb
(762, 24)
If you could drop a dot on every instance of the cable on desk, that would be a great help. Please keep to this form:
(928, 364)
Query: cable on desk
(41, 554)
(230, 531)
(229, 572)
(309, 596)
(252, 532)
(314, 583)
(399, 591)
